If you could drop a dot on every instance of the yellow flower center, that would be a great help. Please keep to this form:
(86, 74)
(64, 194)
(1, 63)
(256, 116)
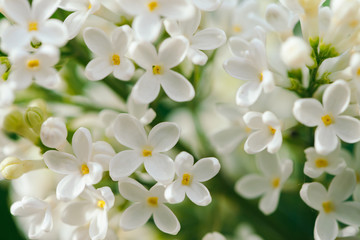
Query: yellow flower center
(237, 28)
(152, 201)
(321, 163)
(358, 72)
(326, 120)
(115, 59)
(33, 26)
(186, 179)
(328, 206)
(84, 169)
(147, 152)
(157, 69)
(272, 130)
(354, 23)
(261, 77)
(275, 182)
(153, 5)
(33, 64)
(101, 203)
(89, 6)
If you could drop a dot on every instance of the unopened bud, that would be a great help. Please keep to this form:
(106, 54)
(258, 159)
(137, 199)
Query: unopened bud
(13, 168)
(34, 117)
(14, 121)
(53, 132)
(40, 103)
(295, 53)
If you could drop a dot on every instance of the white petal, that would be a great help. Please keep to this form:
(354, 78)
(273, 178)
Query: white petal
(53, 32)
(176, 86)
(198, 194)
(160, 167)
(312, 171)
(147, 27)
(108, 196)
(125, 70)
(27, 207)
(342, 186)
(74, 22)
(275, 144)
(20, 78)
(248, 93)
(196, 56)
(70, 187)
(48, 78)
(208, 39)
(158, 190)
(61, 162)
(132, 190)
(326, 227)
(144, 54)
(17, 10)
(42, 9)
(269, 118)
(124, 164)
(268, 203)
(164, 136)
(238, 46)
(325, 139)
(257, 142)
(313, 194)
(205, 169)
(121, 38)
(308, 112)
(253, 120)
(183, 163)
(242, 68)
(176, 9)
(166, 220)
(135, 216)
(129, 131)
(172, 51)
(209, 5)
(348, 213)
(336, 97)
(102, 153)
(133, 7)
(97, 41)
(227, 140)
(98, 226)
(98, 68)
(251, 186)
(268, 164)
(172, 27)
(76, 213)
(47, 223)
(189, 26)
(82, 144)
(14, 37)
(347, 129)
(95, 173)
(146, 89)
(175, 192)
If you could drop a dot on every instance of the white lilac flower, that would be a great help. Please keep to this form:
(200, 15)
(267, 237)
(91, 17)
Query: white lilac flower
(295, 53)
(38, 66)
(32, 23)
(80, 170)
(207, 5)
(147, 22)
(147, 203)
(226, 140)
(39, 211)
(267, 132)
(53, 133)
(144, 149)
(172, 52)
(254, 70)
(109, 53)
(189, 178)
(83, 233)
(214, 236)
(269, 184)
(91, 209)
(330, 124)
(331, 204)
(81, 10)
(205, 39)
(316, 164)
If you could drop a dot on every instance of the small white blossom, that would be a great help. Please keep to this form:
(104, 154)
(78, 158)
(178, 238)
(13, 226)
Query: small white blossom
(214, 236)
(147, 203)
(189, 178)
(295, 53)
(53, 132)
(269, 185)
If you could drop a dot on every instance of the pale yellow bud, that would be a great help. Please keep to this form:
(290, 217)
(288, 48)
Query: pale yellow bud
(34, 117)
(13, 168)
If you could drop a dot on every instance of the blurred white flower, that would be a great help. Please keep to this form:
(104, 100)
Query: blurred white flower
(295, 53)
(53, 133)
(214, 236)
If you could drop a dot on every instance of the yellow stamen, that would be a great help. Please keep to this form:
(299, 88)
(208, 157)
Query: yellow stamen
(101, 203)
(33, 26)
(152, 201)
(275, 182)
(328, 206)
(157, 69)
(146, 153)
(272, 130)
(186, 179)
(33, 63)
(326, 120)
(89, 6)
(237, 28)
(115, 59)
(84, 169)
(261, 77)
(353, 23)
(321, 163)
(358, 72)
(152, 5)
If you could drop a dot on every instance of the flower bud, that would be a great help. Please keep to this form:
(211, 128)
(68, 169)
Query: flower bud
(34, 117)
(14, 121)
(53, 132)
(295, 53)
(13, 168)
